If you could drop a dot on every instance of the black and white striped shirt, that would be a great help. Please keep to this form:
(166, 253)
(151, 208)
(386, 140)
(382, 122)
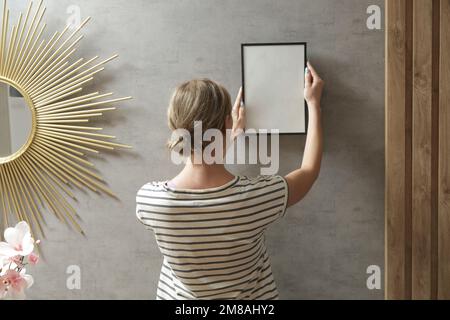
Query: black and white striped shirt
(213, 240)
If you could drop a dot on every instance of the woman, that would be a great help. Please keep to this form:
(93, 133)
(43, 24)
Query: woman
(210, 224)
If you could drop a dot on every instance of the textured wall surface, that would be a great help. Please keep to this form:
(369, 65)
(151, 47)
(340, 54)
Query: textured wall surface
(325, 244)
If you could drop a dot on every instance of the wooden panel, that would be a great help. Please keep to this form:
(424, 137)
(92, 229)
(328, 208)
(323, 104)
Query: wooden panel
(421, 151)
(418, 149)
(435, 149)
(444, 154)
(396, 259)
(408, 145)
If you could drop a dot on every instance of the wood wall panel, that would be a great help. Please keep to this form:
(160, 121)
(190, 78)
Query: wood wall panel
(395, 148)
(417, 149)
(421, 149)
(444, 154)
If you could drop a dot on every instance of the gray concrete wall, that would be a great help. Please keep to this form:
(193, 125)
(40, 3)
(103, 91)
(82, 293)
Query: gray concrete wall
(325, 244)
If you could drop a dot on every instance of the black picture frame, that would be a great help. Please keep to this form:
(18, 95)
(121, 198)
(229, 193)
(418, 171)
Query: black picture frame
(305, 44)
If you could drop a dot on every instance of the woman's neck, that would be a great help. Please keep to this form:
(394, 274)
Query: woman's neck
(202, 176)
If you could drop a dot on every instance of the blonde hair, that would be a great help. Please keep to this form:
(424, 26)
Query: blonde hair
(198, 100)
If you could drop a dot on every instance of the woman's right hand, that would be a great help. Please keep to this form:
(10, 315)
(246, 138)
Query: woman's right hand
(313, 87)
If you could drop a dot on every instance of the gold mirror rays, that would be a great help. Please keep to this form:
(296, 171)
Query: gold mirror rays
(53, 160)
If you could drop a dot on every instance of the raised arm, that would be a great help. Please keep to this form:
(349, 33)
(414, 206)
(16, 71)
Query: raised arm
(301, 180)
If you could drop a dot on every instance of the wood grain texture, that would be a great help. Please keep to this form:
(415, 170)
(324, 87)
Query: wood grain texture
(418, 149)
(409, 40)
(421, 149)
(396, 259)
(444, 154)
(435, 149)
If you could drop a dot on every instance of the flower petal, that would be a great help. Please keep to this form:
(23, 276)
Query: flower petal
(22, 228)
(29, 280)
(7, 250)
(15, 294)
(13, 237)
(27, 245)
(3, 288)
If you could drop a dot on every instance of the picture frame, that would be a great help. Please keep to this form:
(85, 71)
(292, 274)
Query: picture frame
(276, 122)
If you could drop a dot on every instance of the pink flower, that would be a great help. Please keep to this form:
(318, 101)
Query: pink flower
(33, 258)
(13, 284)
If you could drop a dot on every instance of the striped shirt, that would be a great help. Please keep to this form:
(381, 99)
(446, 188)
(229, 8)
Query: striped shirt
(213, 240)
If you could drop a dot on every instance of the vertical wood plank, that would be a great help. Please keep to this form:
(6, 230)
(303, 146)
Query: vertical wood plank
(409, 39)
(435, 149)
(396, 259)
(421, 149)
(444, 155)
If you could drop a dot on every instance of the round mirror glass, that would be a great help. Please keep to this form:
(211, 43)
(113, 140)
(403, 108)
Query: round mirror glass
(15, 120)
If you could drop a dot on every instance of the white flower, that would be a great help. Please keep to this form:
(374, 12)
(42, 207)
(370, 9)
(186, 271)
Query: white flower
(18, 241)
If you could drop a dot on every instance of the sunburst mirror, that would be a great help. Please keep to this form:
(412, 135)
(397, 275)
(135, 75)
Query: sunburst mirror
(45, 133)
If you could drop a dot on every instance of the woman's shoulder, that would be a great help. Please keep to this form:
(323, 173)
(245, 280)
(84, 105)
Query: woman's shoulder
(259, 181)
(158, 189)
(154, 186)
